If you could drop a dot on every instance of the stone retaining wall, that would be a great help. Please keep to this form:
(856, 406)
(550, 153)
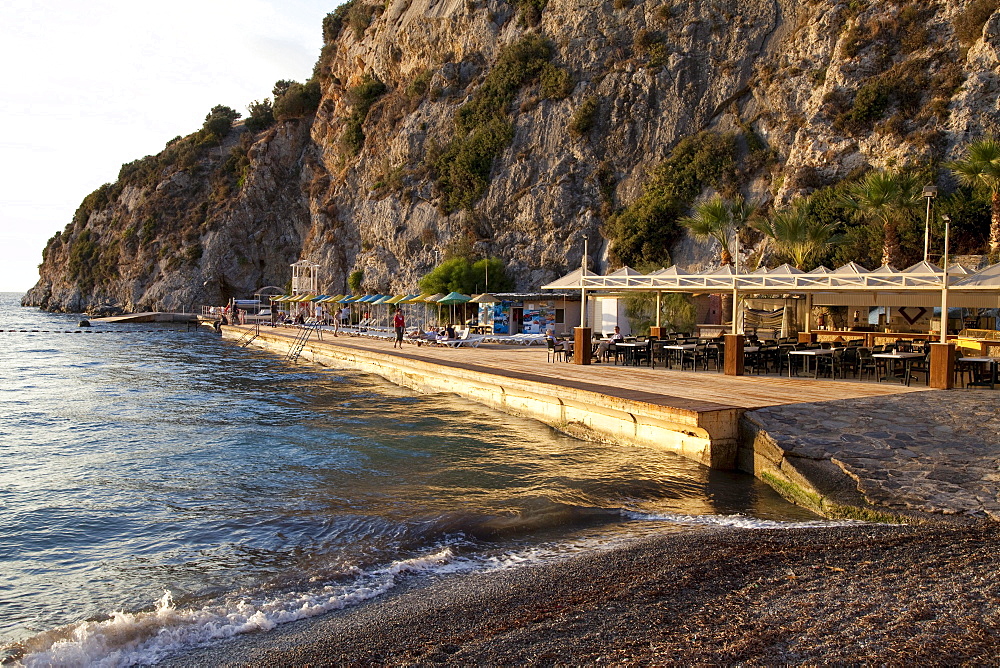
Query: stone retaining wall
(708, 437)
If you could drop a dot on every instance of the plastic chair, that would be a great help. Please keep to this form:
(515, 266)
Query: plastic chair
(554, 350)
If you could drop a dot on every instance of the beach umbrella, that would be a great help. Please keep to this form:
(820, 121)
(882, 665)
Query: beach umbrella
(485, 298)
(419, 299)
(453, 298)
(434, 299)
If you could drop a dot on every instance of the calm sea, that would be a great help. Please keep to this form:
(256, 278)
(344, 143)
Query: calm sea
(161, 489)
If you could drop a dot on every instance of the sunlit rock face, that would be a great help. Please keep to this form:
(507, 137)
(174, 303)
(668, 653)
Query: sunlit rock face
(819, 89)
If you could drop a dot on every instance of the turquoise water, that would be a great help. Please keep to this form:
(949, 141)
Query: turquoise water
(161, 489)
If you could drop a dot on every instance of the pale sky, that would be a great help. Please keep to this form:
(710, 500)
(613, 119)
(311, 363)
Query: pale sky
(88, 86)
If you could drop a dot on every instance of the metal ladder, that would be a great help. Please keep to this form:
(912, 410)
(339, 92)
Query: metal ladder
(298, 344)
(249, 336)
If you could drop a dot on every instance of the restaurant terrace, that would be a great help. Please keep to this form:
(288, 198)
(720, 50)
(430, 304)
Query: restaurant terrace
(922, 285)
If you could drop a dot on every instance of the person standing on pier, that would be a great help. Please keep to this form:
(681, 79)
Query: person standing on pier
(399, 324)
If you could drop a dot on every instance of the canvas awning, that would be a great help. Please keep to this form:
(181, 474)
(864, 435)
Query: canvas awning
(851, 284)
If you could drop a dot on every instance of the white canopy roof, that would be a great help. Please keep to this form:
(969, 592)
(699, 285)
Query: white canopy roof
(851, 284)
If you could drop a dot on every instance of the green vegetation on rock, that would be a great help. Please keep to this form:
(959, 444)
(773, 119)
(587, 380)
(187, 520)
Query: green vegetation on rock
(644, 231)
(462, 274)
(970, 21)
(482, 125)
(295, 100)
(362, 97)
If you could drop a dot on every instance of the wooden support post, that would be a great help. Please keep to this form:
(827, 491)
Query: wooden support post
(582, 345)
(734, 354)
(942, 374)
(807, 337)
(658, 332)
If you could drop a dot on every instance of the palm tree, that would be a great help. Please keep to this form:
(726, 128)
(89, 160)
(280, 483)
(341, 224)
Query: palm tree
(885, 197)
(981, 169)
(795, 234)
(720, 219)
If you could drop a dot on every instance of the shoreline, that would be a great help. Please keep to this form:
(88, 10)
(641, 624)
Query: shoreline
(867, 593)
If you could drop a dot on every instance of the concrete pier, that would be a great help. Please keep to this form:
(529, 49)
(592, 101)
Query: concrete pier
(696, 415)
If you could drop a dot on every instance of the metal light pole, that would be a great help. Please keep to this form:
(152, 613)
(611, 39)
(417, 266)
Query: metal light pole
(944, 282)
(583, 291)
(736, 273)
(930, 192)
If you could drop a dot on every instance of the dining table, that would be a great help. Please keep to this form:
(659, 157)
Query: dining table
(905, 358)
(629, 348)
(676, 352)
(813, 353)
(991, 378)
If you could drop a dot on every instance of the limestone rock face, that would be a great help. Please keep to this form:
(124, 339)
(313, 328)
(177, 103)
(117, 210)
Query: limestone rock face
(199, 230)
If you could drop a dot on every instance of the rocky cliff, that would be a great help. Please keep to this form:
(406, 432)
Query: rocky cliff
(512, 130)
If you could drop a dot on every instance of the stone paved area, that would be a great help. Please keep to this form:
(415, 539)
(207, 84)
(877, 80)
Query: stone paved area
(936, 452)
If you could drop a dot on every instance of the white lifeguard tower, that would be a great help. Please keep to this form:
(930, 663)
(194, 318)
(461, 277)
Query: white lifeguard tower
(305, 281)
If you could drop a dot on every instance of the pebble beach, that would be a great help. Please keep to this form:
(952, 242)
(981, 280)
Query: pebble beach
(859, 594)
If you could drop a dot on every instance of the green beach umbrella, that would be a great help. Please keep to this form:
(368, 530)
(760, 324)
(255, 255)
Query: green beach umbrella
(453, 298)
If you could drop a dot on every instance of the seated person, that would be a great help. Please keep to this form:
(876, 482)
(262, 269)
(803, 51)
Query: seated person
(417, 334)
(447, 333)
(602, 347)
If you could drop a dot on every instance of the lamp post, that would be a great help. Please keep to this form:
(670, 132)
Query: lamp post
(734, 342)
(944, 281)
(736, 273)
(930, 192)
(942, 367)
(583, 291)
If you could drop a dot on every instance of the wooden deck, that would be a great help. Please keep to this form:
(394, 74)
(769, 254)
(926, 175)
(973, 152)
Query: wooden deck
(691, 390)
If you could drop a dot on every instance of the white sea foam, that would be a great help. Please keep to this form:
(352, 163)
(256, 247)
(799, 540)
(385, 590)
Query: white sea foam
(128, 639)
(739, 521)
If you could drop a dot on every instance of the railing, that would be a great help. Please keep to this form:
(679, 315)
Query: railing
(298, 344)
(249, 336)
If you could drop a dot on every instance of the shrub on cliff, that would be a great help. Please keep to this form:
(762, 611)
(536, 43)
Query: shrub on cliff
(584, 117)
(353, 281)
(334, 21)
(557, 82)
(482, 125)
(218, 123)
(970, 21)
(261, 115)
(644, 231)
(361, 97)
(530, 11)
(296, 100)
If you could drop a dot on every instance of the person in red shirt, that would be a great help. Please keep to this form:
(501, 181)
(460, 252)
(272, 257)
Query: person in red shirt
(400, 326)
